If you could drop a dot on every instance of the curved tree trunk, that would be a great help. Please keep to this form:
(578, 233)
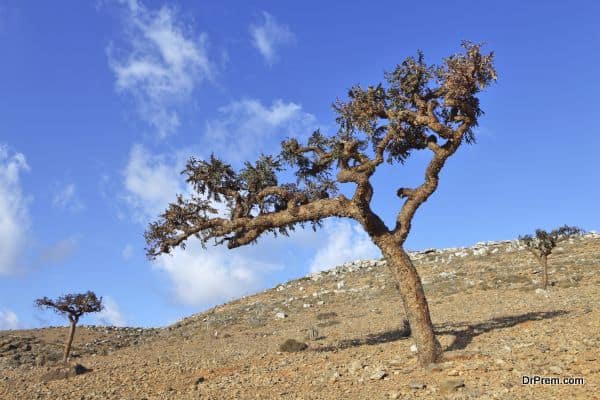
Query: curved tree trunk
(415, 303)
(69, 341)
(544, 261)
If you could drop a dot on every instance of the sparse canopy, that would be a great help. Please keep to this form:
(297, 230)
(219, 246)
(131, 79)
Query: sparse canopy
(420, 107)
(73, 306)
(542, 244)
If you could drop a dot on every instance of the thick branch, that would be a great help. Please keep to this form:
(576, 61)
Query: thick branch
(416, 197)
(249, 228)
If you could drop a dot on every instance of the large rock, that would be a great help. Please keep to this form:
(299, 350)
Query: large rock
(292, 346)
(64, 372)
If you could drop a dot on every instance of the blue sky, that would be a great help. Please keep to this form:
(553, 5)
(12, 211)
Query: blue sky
(101, 103)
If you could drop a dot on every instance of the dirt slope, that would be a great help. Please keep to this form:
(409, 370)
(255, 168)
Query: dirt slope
(494, 324)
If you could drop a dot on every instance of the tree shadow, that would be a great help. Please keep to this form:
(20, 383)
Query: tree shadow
(464, 332)
(376, 338)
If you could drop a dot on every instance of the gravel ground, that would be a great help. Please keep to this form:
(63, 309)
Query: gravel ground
(494, 323)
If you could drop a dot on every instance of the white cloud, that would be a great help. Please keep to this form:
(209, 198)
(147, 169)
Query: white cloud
(14, 215)
(346, 241)
(58, 252)
(127, 252)
(269, 35)
(207, 276)
(247, 127)
(197, 276)
(201, 277)
(66, 198)
(8, 320)
(151, 182)
(164, 63)
(111, 314)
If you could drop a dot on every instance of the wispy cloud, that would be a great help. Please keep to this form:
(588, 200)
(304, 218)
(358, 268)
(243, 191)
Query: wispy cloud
(346, 241)
(14, 214)
(58, 252)
(9, 320)
(164, 62)
(66, 198)
(269, 35)
(127, 252)
(201, 277)
(197, 276)
(260, 128)
(111, 314)
(151, 182)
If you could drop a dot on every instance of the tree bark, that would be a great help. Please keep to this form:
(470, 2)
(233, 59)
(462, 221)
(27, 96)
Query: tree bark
(544, 261)
(70, 340)
(415, 304)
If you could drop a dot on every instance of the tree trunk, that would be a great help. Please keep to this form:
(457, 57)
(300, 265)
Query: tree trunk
(70, 341)
(544, 261)
(415, 303)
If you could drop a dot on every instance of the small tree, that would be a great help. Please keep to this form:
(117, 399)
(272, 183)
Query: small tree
(542, 244)
(73, 306)
(422, 107)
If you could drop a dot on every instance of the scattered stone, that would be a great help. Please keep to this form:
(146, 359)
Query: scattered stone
(397, 363)
(281, 315)
(340, 285)
(378, 375)
(199, 380)
(446, 341)
(417, 385)
(326, 315)
(315, 276)
(450, 385)
(292, 346)
(40, 361)
(543, 348)
(556, 369)
(355, 366)
(394, 395)
(413, 348)
(313, 333)
(334, 377)
(436, 367)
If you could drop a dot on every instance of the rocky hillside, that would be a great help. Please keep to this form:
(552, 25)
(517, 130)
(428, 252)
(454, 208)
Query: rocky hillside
(339, 334)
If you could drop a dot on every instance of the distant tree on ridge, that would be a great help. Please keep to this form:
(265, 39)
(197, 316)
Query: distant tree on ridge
(73, 306)
(542, 244)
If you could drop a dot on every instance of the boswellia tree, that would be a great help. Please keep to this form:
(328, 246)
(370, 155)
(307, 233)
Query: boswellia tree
(542, 244)
(73, 306)
(421, 107)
